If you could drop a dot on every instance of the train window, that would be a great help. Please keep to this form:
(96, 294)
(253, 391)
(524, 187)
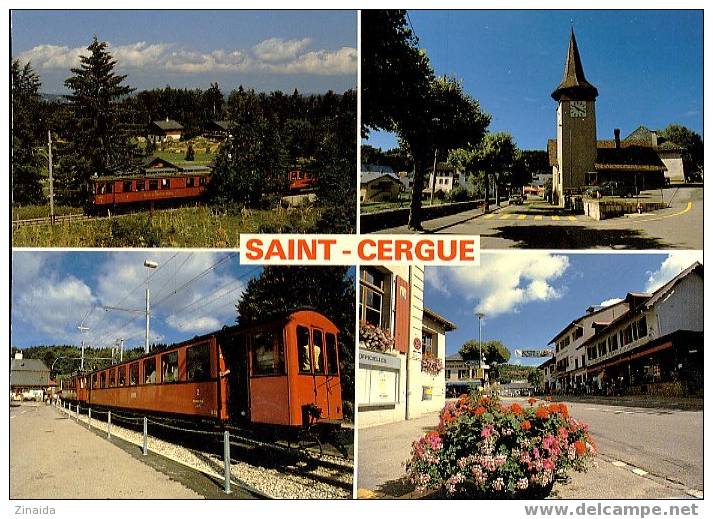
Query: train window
(102, 379)
(268, 354)
(109, 187)
(303, 355)
(122, 376)
(198, 363)
(165, 183)
(94, 381)
(318, 351)
(128, 187)
(150, 371)
(112, 378)
(331, 353)
(169, 367)
(140, 185)
(153, 185)
(202, 181)
(190, 182)
(134, 374)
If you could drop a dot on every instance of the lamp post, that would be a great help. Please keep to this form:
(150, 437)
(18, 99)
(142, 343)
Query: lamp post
(149, 265)
(480, 316)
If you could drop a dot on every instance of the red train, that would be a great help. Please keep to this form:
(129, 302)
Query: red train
(157, 182)
(271, 374)
(301, 180)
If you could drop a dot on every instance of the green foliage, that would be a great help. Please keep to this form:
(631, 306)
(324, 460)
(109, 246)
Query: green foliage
(27, 135)
(692, 145)
(397, 158)
(329, 290)
(526, 164)
(98, 145)
(459, 194)
(66, 358)
(537, 378)
(190, 154)
(493, 351)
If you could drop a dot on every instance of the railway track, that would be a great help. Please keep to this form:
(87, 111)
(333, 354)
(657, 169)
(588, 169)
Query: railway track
(267, 469)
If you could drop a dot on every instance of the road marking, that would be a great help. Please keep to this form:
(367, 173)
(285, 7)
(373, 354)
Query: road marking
(538, 217)
(522, 217)
(505, 216)
(556, 218)
(639, 472)
(695, 493)
(489, 216)
(618, 463)
(572, 218)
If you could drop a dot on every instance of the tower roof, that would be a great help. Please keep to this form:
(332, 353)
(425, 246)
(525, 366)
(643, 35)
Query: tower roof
(574, 85)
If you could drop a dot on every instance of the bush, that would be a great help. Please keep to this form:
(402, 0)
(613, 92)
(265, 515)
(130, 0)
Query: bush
(459, 194)
(482, 448)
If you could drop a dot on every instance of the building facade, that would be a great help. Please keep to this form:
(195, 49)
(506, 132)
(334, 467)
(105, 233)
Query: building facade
(30, 379)
(407, 380)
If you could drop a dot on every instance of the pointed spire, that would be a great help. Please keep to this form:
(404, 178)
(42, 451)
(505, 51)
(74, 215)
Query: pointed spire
(574, 85)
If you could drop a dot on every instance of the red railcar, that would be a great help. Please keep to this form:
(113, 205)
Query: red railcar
(157, 181)
(301, 180)
(267, 374)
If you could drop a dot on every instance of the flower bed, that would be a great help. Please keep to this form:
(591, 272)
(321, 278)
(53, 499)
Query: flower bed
(374, 338)
(482, 448)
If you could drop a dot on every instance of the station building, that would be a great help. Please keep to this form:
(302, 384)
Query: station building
(406, 379)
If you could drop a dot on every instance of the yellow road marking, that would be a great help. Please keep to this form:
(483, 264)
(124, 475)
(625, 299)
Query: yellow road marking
(556, 218)
(538, 217)
(505, 216)
(572, 218)
(489, 216)
(522, 217)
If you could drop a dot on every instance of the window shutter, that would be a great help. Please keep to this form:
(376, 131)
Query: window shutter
(402, 310)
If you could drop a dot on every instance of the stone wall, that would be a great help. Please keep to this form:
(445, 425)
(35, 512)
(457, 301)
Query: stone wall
(379, 220)
(601, 210)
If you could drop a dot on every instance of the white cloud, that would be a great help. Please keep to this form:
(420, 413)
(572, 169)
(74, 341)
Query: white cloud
(274, 55)
(503, 282)
(674, 263)
(611, 301)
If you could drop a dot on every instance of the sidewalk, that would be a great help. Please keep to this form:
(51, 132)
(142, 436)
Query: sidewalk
(384, 448)
(645, 401)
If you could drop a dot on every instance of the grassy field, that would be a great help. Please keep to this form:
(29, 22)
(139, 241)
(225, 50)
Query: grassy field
(27, 212)
(186, 227)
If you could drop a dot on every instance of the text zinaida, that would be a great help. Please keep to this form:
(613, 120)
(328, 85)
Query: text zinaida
(340, 249)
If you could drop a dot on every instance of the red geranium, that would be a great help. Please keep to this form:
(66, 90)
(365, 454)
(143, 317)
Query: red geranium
(480, 410)
(526, 425)
(553, 408)
(564, 410)
(542, 413)
(531, 400)
(580, 447)
(516, 408)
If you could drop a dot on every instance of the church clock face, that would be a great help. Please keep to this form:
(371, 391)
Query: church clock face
(578, 109)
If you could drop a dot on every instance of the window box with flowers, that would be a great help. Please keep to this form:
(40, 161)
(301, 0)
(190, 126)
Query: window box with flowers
(484, 449)
(431, 365)
(375, 339)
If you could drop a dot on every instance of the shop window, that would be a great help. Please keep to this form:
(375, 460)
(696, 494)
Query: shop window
(112, 378)
(318, 351)
(122, 376)
(169, 367)
(150, 371)
(268, 354)
(134, 374)
(303, 350)
(198, 362)
(332, 357)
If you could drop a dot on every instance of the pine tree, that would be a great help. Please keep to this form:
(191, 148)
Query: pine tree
(27, 159)
(98, 145)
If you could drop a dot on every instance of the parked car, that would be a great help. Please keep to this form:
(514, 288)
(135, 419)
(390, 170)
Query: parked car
(612, 189)
(516, 199)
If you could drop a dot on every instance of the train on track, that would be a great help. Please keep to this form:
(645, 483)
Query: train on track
(283, 374)
(301, 180)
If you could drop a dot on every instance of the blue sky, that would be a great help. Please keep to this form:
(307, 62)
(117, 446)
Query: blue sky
(528, 297)
(313, 51)
(647, 66)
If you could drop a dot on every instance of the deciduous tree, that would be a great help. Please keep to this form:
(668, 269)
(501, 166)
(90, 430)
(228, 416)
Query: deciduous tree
(692, 145)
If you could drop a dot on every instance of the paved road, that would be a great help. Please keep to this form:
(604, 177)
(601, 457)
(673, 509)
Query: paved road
(664, 442)
(667, 444)
(537, 225)
(49, 453)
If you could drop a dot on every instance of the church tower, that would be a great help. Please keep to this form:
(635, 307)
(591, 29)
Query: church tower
(576, 126)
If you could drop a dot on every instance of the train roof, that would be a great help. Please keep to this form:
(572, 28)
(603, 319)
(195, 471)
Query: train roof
(187, 171)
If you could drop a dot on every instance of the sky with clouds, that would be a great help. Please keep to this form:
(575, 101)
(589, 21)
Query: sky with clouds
(647, 66)
(529, 296)
(54, 292)
(313, 51)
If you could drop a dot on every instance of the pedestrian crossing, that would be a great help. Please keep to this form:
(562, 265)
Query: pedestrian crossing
(535, 217)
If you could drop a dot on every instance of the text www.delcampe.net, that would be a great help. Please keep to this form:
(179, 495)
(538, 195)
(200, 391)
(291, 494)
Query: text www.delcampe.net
(614, 510)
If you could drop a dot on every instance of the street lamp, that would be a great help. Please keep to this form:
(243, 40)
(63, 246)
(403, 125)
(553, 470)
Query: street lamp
(480, 316)
(149, 265)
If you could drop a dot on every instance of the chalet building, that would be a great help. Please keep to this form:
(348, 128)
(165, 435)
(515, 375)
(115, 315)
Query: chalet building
(399, 384)
(576, 156)
(168, 130)
(446, 179)
(379, 184)
(29, 379)
(649, 343)
(218, 130)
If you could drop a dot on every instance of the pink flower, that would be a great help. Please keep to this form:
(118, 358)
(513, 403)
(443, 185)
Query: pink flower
(487, 431)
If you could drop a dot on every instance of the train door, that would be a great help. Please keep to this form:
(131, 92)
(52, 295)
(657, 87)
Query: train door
(234, 348)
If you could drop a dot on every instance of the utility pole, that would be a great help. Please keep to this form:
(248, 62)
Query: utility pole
(121, 350)
(49, 155)
(82, 329)
(149, 265)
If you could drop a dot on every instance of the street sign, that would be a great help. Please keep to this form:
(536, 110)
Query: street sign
(534, 353)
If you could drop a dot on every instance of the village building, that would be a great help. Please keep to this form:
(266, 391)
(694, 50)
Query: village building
(408, 380)
(218, 130)
(168, 130)
(578, 159)
(550, 374)
(29, 379)
(463, 375)
(379, 184)
(446, 178)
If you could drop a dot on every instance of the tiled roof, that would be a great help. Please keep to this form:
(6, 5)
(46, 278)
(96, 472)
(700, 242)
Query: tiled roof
(629, 158)
(375, 168)
(167, 125)
(574, 84)
(29, 373)
(448, 325)
(368, 176)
